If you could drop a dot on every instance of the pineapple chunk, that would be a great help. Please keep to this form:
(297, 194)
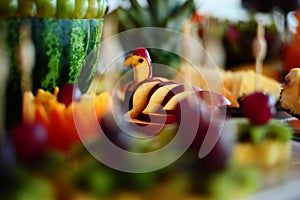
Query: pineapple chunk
(267, 153)
(241, 83)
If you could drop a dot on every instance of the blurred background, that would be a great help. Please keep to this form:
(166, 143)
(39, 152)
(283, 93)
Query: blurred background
(62, 168)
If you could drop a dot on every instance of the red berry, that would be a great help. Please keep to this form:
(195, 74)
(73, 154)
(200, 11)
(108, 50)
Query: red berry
(30, 141)
(232, 34)
(68, 93)
(258, 107)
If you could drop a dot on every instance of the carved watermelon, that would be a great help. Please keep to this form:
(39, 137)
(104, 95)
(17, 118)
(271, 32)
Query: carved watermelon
(66, 36)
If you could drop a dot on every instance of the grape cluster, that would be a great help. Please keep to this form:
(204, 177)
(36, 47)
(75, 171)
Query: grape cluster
(62, 9)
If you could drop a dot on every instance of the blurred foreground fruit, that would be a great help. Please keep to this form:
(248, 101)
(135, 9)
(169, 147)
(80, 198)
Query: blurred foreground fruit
(258, 107)
(68, 93)
(66, 125)
(30, 141)
(63, 47)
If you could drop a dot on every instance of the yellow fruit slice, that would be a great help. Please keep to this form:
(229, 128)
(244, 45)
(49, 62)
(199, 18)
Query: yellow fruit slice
(28, 108)
(140, 97)
(157, 98)
(171, 105)
(268, 153)
(241, 83)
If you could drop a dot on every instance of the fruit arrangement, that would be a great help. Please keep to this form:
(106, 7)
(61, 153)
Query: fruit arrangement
(241, 83)
(49, 139)
(69, 9)
(233, 84)
(159, 102)
(49, 44)
(61, 113)
(147, 94)
(237, 39)
(261, 140)
(51, 162)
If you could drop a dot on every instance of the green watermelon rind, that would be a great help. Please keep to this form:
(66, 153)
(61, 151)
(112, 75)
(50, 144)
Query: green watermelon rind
(62, 47)
(66, 51)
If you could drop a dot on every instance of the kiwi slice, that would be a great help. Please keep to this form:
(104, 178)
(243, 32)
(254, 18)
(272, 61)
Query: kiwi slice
(279, 131)
(257, 133)
(234, 183)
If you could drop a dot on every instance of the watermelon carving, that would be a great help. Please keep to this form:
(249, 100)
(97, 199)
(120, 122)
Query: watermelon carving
(66, 49)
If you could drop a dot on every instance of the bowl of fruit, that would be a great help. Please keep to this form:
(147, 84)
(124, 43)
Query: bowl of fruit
(49, 44)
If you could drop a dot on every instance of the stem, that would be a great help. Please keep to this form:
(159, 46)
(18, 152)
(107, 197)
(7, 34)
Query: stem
(4, 67)
(26, 55)
(260, 50)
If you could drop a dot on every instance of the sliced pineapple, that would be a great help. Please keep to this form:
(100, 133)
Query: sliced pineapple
(241, 83)
(267, 153)
(290, 93)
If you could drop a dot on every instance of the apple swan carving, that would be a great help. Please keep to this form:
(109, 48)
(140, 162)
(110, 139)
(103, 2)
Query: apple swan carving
(147, 94)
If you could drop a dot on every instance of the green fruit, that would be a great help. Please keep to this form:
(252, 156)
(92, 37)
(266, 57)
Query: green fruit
(143, 181)
(35, 188)
(101, 182)
(8, 8)
(279, 131)
(27, 8)
(65, 9)
(66, 51)
(258, 133)
(81, 7)
(46, 8)
(92, 9)
(234, 183)
(102, 6)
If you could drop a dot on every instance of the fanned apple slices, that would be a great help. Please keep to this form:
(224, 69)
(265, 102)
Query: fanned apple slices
(150, 96)
(155, 99)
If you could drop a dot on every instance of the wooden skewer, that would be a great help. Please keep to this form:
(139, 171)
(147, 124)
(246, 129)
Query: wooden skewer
(260, 51)
(4, 68)
(26, 56)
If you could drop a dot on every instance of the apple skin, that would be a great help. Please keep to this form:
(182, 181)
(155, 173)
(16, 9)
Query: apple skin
(130, 90)
(217, 158)
(173, 92)
(30, 141)
(113, 132)
(157, 118)
(214, 98)
(148, 131)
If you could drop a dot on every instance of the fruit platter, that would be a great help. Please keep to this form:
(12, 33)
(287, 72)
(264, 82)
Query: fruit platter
(76, 125)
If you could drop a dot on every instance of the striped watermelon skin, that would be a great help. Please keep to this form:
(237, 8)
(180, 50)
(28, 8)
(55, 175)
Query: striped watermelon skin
(66, 51)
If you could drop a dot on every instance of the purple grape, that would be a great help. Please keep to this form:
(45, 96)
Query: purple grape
(68, 93)
(30, 141)
(258, 107)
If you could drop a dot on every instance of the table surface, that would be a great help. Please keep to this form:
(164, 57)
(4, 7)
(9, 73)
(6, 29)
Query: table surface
(288, 187)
